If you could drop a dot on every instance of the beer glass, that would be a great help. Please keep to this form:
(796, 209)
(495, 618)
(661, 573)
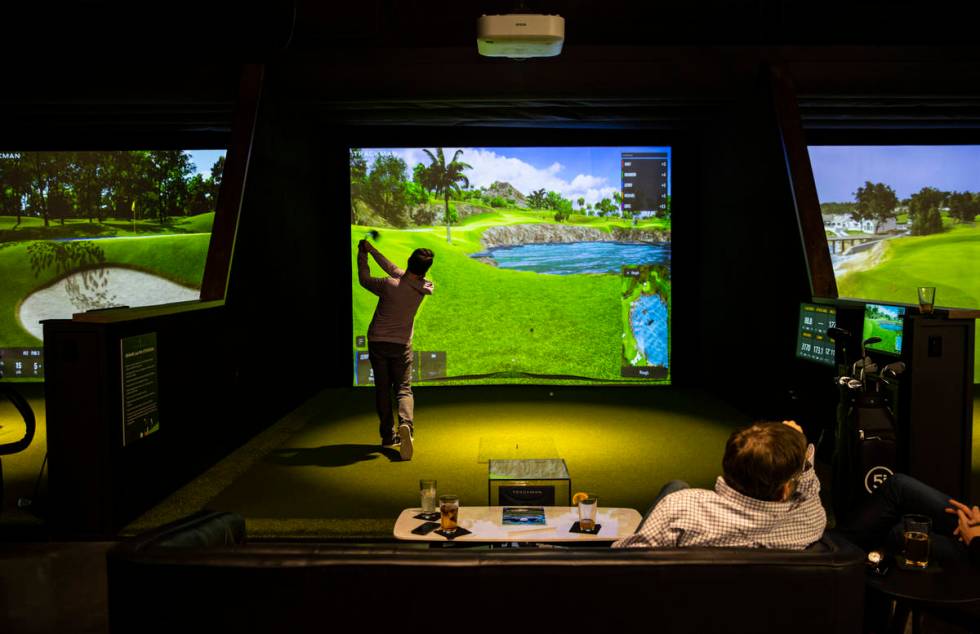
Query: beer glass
(449, 513)
(587, 512)
(427, 489)
(916, 533)
(927, 297)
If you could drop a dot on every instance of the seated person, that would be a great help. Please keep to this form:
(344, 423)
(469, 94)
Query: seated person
(877, 522)
(768, 497)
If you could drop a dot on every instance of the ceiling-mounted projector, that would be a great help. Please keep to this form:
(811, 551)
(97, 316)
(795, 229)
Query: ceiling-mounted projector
(519, 36)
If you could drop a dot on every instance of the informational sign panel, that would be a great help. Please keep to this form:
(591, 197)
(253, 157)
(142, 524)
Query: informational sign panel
(140, 390)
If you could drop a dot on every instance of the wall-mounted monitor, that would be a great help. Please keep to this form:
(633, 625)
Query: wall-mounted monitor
(552, 264)
(83, 231)
(812, 342)
(887, 323)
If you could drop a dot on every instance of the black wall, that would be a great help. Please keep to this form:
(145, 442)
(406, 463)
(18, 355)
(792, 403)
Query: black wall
(384, 66)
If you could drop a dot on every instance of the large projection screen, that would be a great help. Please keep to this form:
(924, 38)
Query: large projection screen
(552, 264)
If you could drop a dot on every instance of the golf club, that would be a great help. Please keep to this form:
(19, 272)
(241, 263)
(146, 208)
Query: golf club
(867, 342)
(840, 335)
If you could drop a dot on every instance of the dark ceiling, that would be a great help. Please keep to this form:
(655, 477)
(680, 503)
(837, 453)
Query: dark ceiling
(181, 28)
(95, 70)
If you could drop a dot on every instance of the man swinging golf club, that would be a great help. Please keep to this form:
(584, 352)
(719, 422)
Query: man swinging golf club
(390, 337)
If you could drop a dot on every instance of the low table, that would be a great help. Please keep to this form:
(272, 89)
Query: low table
(485, 524)
(948, 584)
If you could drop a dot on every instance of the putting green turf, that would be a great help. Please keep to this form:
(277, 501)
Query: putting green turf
(329, 478)
(318, 474)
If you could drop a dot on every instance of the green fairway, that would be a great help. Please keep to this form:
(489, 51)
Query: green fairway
(175, 251)
(948, 261)
(32, 228)
(887, 330)
(493, 320)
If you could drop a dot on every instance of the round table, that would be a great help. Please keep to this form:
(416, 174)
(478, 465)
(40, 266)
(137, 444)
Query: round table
(949, 587)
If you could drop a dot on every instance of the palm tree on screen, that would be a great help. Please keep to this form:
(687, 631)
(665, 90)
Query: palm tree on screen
(445, 178)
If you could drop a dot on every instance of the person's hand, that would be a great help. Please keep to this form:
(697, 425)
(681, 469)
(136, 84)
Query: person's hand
(968, 520)
(793, 424)
(966, 529)
(364, 246)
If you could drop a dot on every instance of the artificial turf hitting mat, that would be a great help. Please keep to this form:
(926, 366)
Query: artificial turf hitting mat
(321, 472)
(516, 447)
(318, 473)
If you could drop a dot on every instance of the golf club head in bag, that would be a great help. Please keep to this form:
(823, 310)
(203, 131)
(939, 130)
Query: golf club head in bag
(867, 342)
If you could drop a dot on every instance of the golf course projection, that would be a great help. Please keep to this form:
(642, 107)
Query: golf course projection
(884, 322)
(552, 264)
(901, 217)
(85, 231)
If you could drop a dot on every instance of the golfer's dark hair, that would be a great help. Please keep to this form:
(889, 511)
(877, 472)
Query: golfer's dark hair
(420, 261)
(761, 458)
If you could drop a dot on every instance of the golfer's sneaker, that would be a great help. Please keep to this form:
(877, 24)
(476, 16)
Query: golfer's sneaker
(405, 433)
(394, 441)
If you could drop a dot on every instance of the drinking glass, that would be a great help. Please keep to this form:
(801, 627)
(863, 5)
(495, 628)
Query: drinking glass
(449, 513)
(427, 489)
(916, 532)
(587, 512)
(927, 297)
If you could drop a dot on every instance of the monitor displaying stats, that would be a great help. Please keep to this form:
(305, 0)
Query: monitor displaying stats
(812, 342)
(552, 265)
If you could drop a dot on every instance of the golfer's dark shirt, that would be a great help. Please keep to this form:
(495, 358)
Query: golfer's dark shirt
(400, 296)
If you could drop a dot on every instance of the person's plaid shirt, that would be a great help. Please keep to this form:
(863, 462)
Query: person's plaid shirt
(724, 517)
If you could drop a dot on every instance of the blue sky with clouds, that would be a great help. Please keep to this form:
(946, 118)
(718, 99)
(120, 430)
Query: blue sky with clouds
(892, 312)
(840, 170)
(204, 159)
(592, 173)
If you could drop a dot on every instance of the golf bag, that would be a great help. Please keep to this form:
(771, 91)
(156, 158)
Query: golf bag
(866, 453)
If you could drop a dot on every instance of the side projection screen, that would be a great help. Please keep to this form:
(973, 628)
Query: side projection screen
(551, 264)
(83, 231)
(898, 217)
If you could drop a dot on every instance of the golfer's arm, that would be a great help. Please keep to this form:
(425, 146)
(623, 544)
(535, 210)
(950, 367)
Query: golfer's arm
(373, 284)
(386, 264)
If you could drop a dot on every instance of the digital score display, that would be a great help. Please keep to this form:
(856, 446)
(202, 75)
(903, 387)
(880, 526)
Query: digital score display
(812, 342)
(644, 183)
(22, 363)
(426, 366)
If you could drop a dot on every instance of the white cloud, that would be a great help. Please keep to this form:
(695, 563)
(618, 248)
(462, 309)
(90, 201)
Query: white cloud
(489, 167)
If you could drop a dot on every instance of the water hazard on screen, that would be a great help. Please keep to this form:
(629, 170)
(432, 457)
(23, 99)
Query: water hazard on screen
(578, 257)
(646, 317)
